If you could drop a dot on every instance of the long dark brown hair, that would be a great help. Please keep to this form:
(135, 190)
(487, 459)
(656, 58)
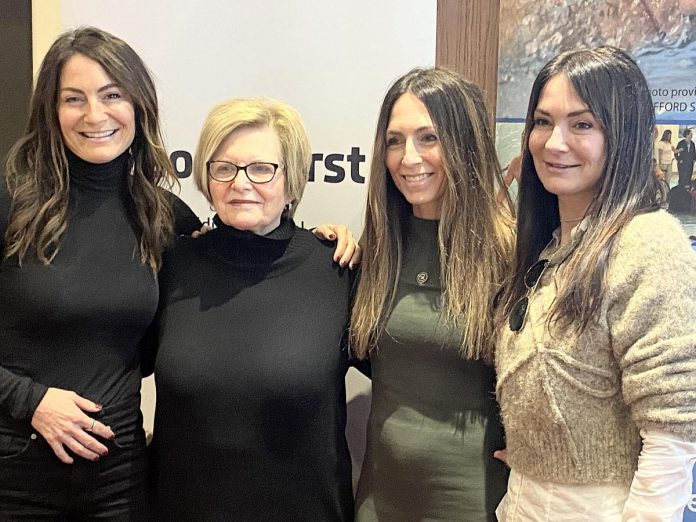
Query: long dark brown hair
(475, 233)
(616, 92)
(37, 167)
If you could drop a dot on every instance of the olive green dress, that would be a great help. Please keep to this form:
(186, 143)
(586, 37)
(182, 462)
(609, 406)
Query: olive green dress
(433, 425)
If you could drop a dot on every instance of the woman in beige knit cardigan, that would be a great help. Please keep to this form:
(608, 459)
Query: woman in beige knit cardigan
(596, 354)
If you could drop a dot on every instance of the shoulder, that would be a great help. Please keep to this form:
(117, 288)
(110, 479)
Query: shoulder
(308, 237)
(656, 231)
(181, 253)
(320, 255)
(653, 247)
(185, 219)
(184, 263)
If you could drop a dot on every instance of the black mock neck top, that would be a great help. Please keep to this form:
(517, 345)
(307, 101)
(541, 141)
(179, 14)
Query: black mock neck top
(250, 379)
(77, 323)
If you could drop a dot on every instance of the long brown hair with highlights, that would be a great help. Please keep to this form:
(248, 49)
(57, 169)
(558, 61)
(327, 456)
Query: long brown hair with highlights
(475, 233)
(37, 167)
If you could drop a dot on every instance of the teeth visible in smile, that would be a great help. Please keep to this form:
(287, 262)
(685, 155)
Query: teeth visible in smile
(103, 134)
(418, 177)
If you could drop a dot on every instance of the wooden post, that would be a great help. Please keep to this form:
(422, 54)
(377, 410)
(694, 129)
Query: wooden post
(467, 42)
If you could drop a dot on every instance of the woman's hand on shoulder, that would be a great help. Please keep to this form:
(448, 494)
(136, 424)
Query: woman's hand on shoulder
(60, 418)
(347, 249)
(198, 233)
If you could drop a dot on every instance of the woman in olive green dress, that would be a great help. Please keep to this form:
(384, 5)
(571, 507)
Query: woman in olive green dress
(440, 248)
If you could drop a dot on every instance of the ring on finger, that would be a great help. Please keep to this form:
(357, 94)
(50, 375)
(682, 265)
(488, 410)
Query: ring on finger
(94, 421)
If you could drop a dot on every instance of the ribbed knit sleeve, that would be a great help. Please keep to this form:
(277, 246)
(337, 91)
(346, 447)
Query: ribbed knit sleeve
(651, 315)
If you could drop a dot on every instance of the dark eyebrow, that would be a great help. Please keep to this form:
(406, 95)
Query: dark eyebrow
(571, 114)
(101, 89)
(419, 129)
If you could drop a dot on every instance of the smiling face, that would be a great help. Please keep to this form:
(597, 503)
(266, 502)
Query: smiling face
(567, 145)
(240, 203)
(96, 116)
(413, 156)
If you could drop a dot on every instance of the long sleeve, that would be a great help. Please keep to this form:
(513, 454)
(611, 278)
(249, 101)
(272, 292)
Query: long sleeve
(661, 487)
(651, 323)
(148, 350)
(19, 396)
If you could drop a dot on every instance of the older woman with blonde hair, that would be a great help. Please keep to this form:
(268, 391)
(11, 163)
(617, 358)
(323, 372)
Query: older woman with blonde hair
(248, 339)
(437, 248)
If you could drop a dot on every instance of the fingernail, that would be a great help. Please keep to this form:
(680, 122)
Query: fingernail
(332, 236)
(98, 406)
(95, 459)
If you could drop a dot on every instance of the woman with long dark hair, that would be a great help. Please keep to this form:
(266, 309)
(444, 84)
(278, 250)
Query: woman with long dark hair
(84, 220)
(439, 247)
(596, 347)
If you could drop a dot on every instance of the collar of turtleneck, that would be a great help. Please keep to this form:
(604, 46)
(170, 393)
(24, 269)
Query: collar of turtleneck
(97, 177)
(273, 254)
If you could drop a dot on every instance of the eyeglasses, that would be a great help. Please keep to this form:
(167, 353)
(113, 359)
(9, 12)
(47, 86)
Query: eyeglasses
(518, 315)
(257, 172)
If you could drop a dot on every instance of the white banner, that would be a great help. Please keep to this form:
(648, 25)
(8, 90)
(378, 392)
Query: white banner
(331, 60)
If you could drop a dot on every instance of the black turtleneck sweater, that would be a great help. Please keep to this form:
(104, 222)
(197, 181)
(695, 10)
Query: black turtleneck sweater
(250, 373)
(77, 323)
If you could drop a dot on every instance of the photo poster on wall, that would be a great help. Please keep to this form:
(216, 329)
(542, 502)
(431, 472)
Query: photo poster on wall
(659, 34)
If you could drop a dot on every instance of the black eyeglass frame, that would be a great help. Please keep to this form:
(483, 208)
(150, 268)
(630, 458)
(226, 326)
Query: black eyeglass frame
(518, 314)
(239, 168)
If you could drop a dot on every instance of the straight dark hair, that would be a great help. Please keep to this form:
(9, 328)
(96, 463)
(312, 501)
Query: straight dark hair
(616, 92)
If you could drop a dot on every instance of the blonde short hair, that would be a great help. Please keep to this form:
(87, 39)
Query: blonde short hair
(228, 116)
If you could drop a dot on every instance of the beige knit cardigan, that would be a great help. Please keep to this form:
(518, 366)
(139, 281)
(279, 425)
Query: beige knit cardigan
(573, 405)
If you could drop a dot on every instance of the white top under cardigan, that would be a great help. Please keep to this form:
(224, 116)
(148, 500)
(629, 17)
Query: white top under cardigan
(660, 490)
